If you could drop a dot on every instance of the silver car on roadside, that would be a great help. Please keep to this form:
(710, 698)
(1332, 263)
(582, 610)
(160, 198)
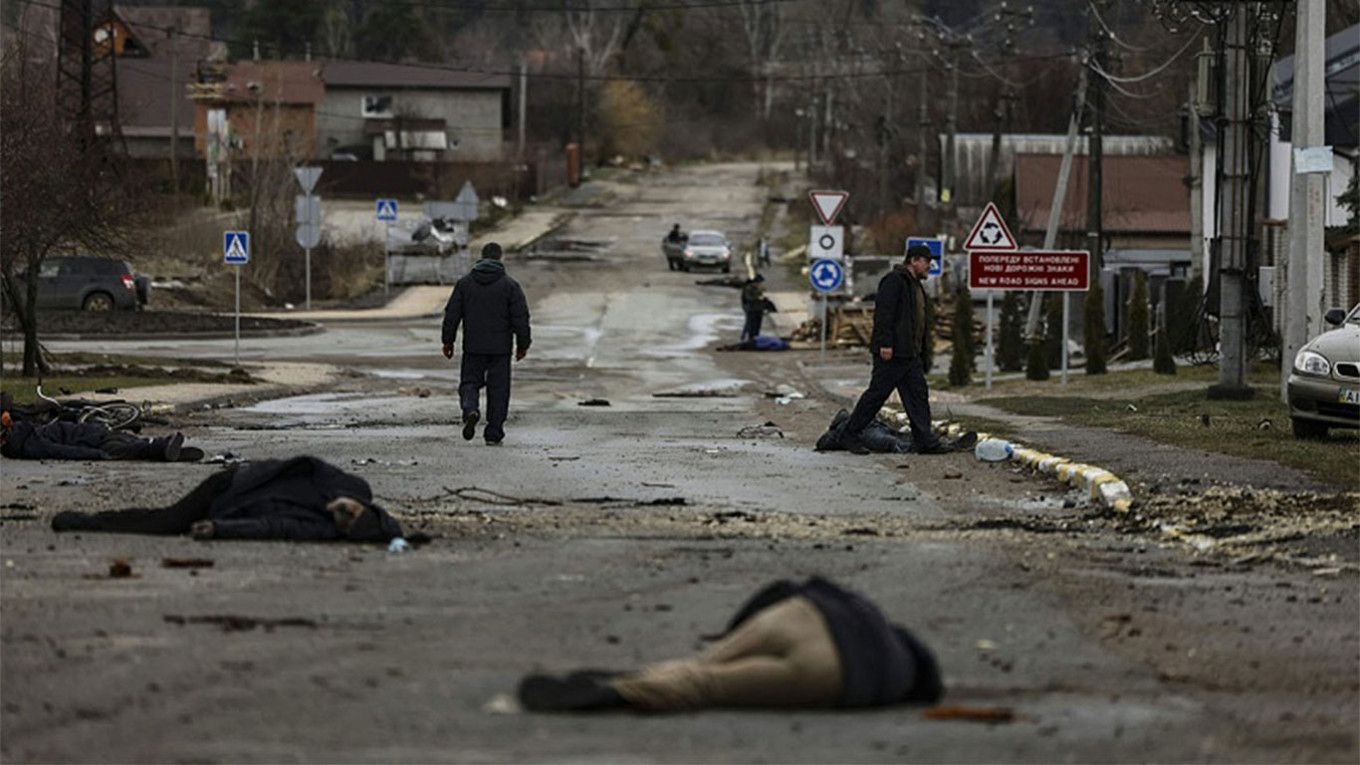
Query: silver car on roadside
(1324, 388)
(707, 248)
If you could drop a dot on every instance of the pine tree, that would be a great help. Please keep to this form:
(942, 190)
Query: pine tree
(1162, 361)
(1138, 318)
(961, 365)
(1011, 345)
(1183, 316)
(1095, 330)
(1053, 316)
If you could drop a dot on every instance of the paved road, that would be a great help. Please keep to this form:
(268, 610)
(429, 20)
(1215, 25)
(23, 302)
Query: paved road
(549, 555)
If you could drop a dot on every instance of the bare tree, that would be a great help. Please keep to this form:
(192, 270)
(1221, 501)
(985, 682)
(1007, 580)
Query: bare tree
(60, 191)
(595, 34)
(762, 22)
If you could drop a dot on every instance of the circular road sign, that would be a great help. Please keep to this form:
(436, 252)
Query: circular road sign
(826, 275)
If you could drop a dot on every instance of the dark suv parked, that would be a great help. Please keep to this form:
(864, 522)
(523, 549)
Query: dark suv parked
(90, 283)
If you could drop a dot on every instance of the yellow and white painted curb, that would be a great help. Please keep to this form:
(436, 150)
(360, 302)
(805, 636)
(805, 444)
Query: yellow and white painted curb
(1100, 484)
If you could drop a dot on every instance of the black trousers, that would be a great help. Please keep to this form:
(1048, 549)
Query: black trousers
(908, 378)
(490, 371)
(125, 446)
(753, 322)
(175, 519)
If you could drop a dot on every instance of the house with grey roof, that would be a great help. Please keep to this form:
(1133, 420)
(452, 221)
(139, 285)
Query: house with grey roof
(382, 111)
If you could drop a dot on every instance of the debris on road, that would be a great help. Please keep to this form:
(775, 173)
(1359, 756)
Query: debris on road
(120, 569)
(186, 563)
(594, 402)
(416, 391)
(235, 623)
(976, 714)
(768, 430)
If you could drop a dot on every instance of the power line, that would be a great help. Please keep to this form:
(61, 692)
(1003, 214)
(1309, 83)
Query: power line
(1151, 73)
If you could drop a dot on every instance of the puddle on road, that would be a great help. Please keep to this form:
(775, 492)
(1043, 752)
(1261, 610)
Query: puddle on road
(326, 403)
(565, 250)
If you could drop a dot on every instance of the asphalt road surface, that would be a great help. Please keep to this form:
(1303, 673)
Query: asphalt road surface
(611, 536)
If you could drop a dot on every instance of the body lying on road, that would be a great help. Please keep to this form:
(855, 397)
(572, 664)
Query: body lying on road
(59, 440)
(791, 645)
(303, 498)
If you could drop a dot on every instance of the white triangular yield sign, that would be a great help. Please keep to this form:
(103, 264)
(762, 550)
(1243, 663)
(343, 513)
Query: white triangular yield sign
(828, 204)
(990, 233)
(467, 195)
(307, 177)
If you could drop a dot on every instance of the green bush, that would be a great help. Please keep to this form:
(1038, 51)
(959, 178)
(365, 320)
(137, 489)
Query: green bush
(1095, 330)
(1138, 318)
(1162, 361)
(1011, 344)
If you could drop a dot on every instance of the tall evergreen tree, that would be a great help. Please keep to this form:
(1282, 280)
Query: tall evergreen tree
(1053, 316)
(1036, 362)
(1095, 330)
(1011, 344)
(1138, 318)
(961, 364)
(1163, 363)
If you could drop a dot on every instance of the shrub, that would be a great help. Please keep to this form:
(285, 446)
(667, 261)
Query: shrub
(1036, 364)
(961, 365)
(1011, 344)
(1138, 318)
(1162, 361)
(1095, 330)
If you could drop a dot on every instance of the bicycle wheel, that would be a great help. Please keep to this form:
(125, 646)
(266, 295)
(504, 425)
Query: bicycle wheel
(115, 414)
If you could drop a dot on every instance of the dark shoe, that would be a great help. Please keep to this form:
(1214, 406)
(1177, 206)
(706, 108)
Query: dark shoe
(576, 693)
(69, 520)
(966, 441)
(470, 424)
(173, 447)
(935, 448)
(493, 441)
(854, 444)
(190, 454)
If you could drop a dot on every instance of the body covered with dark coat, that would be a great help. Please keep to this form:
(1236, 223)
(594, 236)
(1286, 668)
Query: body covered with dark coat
(56, 440)
(900, 301)
(286, 499)
(881, 663)
(492, 310)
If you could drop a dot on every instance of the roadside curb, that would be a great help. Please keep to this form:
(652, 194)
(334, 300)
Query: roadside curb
(312, 328)
(1100, 484)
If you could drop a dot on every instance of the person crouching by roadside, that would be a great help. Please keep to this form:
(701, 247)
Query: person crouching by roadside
(898, 348)
(491, 308)
(301, 499)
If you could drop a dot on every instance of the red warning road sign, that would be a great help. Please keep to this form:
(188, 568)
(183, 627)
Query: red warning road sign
(828, 204)
(990, 233)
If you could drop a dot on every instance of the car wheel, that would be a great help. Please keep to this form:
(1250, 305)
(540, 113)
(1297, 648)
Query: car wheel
(99, 301)
(670, 265)
(684, 267)
(1308, 428)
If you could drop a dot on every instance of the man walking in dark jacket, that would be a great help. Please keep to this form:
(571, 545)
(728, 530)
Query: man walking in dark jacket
(492, 310)
(898, 346)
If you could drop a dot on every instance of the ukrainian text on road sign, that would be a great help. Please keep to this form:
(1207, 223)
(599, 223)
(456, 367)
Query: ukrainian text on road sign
(1042, 270)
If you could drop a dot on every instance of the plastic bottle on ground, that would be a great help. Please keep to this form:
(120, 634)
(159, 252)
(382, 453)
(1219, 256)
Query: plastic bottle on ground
(994, 450)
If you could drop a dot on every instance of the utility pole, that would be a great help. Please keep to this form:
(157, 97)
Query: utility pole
(951, 127)
(1233, 199)
(1307, 202)
(1196, 179)
(174, 112)
(922, 148)
(581, 102)
(523, 106)
(1094, 155)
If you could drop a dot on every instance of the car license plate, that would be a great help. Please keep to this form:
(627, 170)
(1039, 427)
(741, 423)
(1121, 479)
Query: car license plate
(1348, 396)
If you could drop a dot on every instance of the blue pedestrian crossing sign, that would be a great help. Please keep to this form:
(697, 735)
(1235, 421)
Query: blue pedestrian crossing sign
(387, 209)
(936, 247)
(826, 275)
(236, 247)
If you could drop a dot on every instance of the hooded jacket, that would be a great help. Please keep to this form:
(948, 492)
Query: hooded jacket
(895, 316)
(55, 441)
(882, 663)
(492, 310)
(286, 499)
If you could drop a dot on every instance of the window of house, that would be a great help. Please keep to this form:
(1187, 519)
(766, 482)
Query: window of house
(377, 106)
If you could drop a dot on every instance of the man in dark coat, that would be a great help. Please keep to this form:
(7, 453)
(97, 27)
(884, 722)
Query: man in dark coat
(303, 498)
(493, 312)
(898, 346)
(813, 644)
(753, 305)
(27, 440)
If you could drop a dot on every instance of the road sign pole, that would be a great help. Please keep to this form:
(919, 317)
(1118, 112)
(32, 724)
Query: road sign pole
(308, 251)
(824, 312)
(989, 339)
(387, 264)
(237, 351)
(1066, 296)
